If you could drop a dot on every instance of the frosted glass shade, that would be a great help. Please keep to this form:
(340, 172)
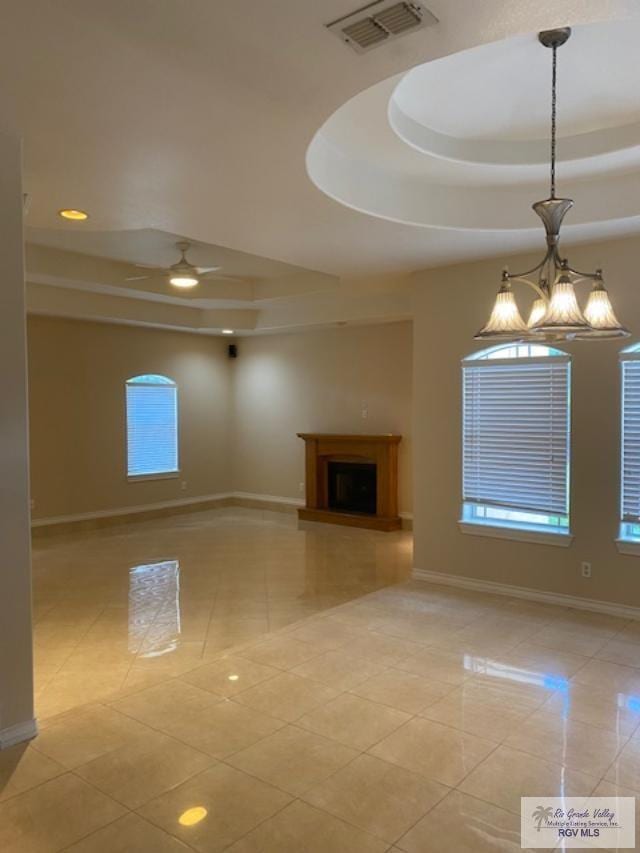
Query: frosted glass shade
(563, 313)
(505, 320)
(599, 313)
(538, 312)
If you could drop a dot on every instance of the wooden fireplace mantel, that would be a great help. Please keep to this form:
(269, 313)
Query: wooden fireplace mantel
(381, 450)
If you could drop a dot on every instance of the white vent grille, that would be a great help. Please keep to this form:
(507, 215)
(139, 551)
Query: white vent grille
(380, 22)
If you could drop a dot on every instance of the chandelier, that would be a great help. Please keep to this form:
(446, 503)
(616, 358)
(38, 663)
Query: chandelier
(555, 314)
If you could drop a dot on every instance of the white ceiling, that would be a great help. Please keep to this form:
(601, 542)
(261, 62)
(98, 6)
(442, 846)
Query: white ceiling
(501, 91)
(153, 247)
(104, 264)
(459, 142)
(194, 118)
(171, 118)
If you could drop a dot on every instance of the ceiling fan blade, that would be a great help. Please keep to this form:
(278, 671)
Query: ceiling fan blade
(137, 277)
(213, 276)
(206, 270)
(148, 267)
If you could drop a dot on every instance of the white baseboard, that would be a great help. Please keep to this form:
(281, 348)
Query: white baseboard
(129, 510)
(609, 607)
(18, 733)
(293, 502)
(274, 499)
(177, 503)
(290, 501)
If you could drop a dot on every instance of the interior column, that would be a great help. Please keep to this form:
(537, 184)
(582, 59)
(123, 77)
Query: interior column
(16, 650)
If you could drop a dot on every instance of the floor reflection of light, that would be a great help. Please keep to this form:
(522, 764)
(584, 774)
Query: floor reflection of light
(192, 816)
(154, 608)
(548, 681)
(631, 703)
(495, 669)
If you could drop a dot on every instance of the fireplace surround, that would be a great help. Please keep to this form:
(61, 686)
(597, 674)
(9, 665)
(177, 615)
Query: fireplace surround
(352, 480)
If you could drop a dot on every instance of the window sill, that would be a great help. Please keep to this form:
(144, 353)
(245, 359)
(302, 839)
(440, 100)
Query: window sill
(538, 537)
(627, 546)
(137, 478)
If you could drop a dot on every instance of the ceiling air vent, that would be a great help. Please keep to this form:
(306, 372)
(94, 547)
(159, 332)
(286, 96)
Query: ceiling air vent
(380, 22)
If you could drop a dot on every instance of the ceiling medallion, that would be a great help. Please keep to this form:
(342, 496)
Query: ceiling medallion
(555, 314)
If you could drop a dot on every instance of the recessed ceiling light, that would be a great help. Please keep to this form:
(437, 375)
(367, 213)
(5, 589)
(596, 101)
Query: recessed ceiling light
(183, 280)
(73, 214)
(227, 331)
(233, 677)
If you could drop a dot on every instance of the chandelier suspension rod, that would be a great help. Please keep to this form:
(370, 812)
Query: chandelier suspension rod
(554, 84)
(552, 254)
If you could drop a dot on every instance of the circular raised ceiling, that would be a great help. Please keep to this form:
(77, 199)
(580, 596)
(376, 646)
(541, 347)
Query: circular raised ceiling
(491, 104)
(462, 141)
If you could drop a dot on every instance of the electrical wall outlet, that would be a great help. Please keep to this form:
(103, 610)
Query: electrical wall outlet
(301, 487)
(586, 570)
(33, 503)
(183, 485)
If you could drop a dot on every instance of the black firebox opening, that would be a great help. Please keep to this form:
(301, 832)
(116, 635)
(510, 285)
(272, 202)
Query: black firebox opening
(352, 487)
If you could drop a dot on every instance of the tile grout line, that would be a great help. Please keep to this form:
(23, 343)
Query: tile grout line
(326, 614)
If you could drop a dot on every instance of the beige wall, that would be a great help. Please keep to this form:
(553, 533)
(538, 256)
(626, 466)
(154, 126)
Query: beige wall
(16, 680)
(450, 305)
(238, 419)
(318, 381)
(77, 372)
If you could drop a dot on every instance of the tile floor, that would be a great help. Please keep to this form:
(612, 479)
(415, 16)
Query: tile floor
(379, 715)
(127, 607)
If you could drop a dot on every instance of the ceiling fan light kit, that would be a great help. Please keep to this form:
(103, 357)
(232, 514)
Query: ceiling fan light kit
(184, 281)
(555, 314)
(182, 274)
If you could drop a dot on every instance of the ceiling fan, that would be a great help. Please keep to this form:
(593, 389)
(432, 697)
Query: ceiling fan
(181, 274)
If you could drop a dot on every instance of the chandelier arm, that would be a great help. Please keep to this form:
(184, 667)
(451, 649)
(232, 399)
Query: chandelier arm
(522, 275)
(538, 289)
(585, 276)
(545, 269)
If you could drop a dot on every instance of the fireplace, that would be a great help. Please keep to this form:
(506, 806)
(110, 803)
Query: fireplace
(352, 486)
(352, 479)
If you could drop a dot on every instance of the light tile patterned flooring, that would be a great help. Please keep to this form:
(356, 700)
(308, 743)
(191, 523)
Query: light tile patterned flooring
(374, 717)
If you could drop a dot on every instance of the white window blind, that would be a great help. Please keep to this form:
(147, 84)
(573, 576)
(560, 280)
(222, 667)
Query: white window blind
(516, 435)
(152, 426)
(630, 497)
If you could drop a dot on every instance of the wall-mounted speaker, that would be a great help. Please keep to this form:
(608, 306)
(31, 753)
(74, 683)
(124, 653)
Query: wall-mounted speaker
(233, 350)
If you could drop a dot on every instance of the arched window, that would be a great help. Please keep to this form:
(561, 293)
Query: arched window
(630, 445)
(152, 426)
(516, 438)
